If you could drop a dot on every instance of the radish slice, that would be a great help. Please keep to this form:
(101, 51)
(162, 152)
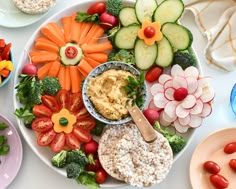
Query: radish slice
(170, 108)
(192, 84)
(176, 70)
(189, 101)
(153, 106)
(159, 100)
(198, 108)
(203, 82)
(195, 121)
(180, 128)
(167, 118)
(208, 94)
(191, 72)
(163, 122)
(163, 78)
(179, 82)
(168, 83)
(207, 109)
(184, 121)
(169, 93)
(156, 88)
(182, 112)
(198, 92)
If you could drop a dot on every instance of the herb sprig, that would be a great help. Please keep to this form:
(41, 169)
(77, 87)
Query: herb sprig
(4, 147)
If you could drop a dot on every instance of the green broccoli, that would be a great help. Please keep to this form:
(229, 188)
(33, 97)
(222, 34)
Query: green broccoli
(73, 170)
(113, 7)
(50, 85)
(77, 156)
(35, 92)
(122, 55)
(59, 160)
(176, 142)
(184, 59)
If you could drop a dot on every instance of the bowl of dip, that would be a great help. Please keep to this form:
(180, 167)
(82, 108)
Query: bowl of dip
(104, 95)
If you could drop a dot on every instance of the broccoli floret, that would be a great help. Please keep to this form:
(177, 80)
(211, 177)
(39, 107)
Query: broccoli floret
(113, 7)
(59, 160)
(184, 59)
(77, 156)
(35, 92)
(73, 170)
(122, 55)
(176, 142)
(51, 85)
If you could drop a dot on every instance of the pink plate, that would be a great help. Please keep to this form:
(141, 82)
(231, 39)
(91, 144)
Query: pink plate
(10, 164)
(212, 149)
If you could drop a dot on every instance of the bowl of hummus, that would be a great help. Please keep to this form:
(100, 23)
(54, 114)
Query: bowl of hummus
(104, 93)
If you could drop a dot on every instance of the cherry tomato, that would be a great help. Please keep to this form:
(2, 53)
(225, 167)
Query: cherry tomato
(219, 181)
(211, 167)
(97, 8)
(63, 98)
(82, 113)
(72, 141)
(91, 147)
(71, 52)
(94, 167)
(230, 148)
(6, 52)
(50, 102)
(41, 111)
(153, 74)
(108, 21)
(58, 142)
(45, 138)
(86, 123)
(101, 176)
(232, 164)
(82, 135)
(149, 31)
(42, 124)
(76, 102)
(2, 44)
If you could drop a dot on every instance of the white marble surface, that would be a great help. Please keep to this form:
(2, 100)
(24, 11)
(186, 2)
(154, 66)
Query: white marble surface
(35, 174)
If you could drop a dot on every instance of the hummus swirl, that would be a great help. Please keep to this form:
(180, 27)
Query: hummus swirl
(107, 94)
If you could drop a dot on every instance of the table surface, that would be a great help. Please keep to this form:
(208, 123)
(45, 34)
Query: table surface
(35, 174)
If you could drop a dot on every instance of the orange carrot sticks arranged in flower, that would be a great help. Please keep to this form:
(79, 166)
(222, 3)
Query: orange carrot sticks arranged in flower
(42, 56)
(43, 71)
(67, 79)
(75, 31)
(75, 78)
(61, 76)
(46, 46)
(66, 23)
(45, 40)
(91, 62)
(94, 34)
(84, 67)
(96, 47)
(84, 31)
(54, 69)
(100, 57)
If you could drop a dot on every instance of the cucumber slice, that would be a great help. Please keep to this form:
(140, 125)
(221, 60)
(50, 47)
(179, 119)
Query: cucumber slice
(127, 16)
(179, 36)
(74, 59)
(165, 53)
(126, 36)
(145, 55)
(144, 9)
(169, 11)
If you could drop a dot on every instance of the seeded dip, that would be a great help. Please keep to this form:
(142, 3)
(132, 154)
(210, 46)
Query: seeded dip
(34, 6)
(126, 156)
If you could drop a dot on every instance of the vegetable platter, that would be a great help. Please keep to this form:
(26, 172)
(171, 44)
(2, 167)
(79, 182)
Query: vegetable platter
(70, 44)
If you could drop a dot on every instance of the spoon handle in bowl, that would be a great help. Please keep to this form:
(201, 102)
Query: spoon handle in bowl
(145, 128)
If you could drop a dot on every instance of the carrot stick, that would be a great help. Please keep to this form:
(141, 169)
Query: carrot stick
(96, 35)
(91, 33)
(91, 62)
(51, 33)
(56, 27)
(66, 22)
(75, 79)
(46, 46)
(43, 70)
(54, 69)
(45, 40)
(84, 67)
(67, 79)
(42, 56)
(61, 76)
(75, 29)
(100, 57)
(97, 47)
(84, 31)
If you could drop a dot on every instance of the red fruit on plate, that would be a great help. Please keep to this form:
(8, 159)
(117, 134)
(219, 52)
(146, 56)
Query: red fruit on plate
(91, 147)
(232, 164)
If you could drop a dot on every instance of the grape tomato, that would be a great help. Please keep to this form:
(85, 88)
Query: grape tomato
(230, 148)
(219, 181)
(211, 167)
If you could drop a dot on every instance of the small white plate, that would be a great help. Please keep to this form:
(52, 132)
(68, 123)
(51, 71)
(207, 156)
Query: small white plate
(12, 17)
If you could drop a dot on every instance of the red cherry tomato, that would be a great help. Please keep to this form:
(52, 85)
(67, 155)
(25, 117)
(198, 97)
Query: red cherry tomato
(211, 167)
(41, 111)
(50, 102)
(82, 135)
(6, 52)
(91, 147)
(219, 181)
(232, 164)
(72, 141)
(108, 21)
(71, 52)
(230, 148)
(149, 31)
(153, 74)
(42, 124)
(86, 123)
(82, 113)
(94, 167)
(45, 138)
(63, 98)
(2, 44)
(76, 102)
(101, 176)
(58, 142)
(97, 8)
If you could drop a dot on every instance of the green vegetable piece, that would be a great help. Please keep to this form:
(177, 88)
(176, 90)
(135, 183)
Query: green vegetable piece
(114, 6)
(63, 121)
(73, 170)
(3, 139)
(59, 160)
(88, 178)
(84, 17)
(77, 156)
(97, 130)
(26, 115)
(4, 149)
(51, 85)
(122, 55)
(3, 125)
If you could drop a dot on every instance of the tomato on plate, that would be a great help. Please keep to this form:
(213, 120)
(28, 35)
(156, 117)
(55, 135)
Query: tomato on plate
(232, 164)
(97, 8)
(91, 147)
(219, 181)
(153, 74)
(76, 102)
(86, 123)
(41, 111)
(6, 52)
(101, 176)
(82, 113)
(58, 142)
(82, 135)
(63, 98)
(50, 102)
(42, 124)
(45, 138)
(211, 167)
(72, 141)
(94, 167)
